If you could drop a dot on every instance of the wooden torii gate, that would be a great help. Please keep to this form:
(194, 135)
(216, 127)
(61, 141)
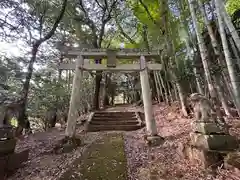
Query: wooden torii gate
(111, 55)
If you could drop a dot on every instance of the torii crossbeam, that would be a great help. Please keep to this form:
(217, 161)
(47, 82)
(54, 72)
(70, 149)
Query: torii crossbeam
(111, 55)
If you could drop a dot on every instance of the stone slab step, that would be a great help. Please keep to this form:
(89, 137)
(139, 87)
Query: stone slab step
(115, 114)
(114, 122)
(94, 128)
(207, 128)
(214, 142)
(98, 118)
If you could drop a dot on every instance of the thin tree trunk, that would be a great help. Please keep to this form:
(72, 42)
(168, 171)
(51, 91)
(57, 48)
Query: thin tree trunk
(203, 49)
(235, 52)
(169, 92)
(222, 97)
(228, 22)
(204, 57)
(215, 46)
(230, 64)
(160, 86)
(69, 80)
(22, 118)
(176, 91)
(199, 87)
(157, 87)
(23, 104)
(190, 56)
(182, 99)
(97, 91)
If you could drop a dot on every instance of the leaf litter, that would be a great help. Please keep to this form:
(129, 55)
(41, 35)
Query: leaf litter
(143, 162)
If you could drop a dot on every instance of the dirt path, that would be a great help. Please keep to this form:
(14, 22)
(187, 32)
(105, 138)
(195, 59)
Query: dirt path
(104, 160)
(44, 165)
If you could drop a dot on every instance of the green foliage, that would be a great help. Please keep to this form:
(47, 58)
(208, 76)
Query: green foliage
(232, 6)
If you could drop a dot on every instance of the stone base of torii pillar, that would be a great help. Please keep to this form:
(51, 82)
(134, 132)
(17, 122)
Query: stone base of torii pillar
(152, 136)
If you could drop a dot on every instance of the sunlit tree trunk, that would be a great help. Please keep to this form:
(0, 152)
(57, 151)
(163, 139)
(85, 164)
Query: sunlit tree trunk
(230, 63)
(187, 40)
(157, 87)
(203, 51)
(172, 57)
(22, 118)
(217, 53)
(228, 22)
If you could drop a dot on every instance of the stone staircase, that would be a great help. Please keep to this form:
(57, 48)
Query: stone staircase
(114, 121)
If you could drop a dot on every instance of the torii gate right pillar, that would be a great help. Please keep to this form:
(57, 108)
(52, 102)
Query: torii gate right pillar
(152, 135)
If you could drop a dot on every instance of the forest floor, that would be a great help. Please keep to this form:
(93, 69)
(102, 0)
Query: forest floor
(130, 156)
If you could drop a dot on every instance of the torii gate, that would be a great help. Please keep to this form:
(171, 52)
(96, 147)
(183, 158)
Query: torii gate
(111, 54)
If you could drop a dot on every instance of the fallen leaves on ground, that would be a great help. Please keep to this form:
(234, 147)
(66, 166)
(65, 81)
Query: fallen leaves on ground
(144, 163)
(44, 165)
(164, 162)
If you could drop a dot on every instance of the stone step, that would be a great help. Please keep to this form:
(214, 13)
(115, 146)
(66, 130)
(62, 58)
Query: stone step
(214, 142)
(114, 114)
(94, 128)
(114, 122)
(99, 118)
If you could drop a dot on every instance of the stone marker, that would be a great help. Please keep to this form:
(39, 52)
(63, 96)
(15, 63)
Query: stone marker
(214, 142)
(209, 140)
(9, 160)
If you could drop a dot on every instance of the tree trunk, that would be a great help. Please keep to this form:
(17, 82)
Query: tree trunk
(218, 55)
(228, 22)
(222, 97)
(160, 86)
(154, 88)
(165, 90)
(203, 50)
(182, 99)
(97, 91)
(157, 87)
(235, 52)
(230, 67)
(22, 117)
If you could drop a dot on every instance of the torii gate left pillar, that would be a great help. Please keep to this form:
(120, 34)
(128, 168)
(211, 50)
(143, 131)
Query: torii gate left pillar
(75, 99)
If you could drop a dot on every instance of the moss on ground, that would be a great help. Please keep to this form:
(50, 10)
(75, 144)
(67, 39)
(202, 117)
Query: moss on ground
(104, 160)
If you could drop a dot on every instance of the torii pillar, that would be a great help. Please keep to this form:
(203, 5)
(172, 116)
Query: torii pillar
(75, 98)
(152, 135)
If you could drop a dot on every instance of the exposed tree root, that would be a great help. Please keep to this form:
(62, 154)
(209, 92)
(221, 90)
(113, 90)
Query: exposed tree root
(67, 145)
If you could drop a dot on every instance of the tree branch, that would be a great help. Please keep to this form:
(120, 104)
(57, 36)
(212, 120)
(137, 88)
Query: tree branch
(99, 4)
(148, 12)
(145, 37)
(123, 33)
(105, 21)
(55, 25)
(90, 23)
(41, 20)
